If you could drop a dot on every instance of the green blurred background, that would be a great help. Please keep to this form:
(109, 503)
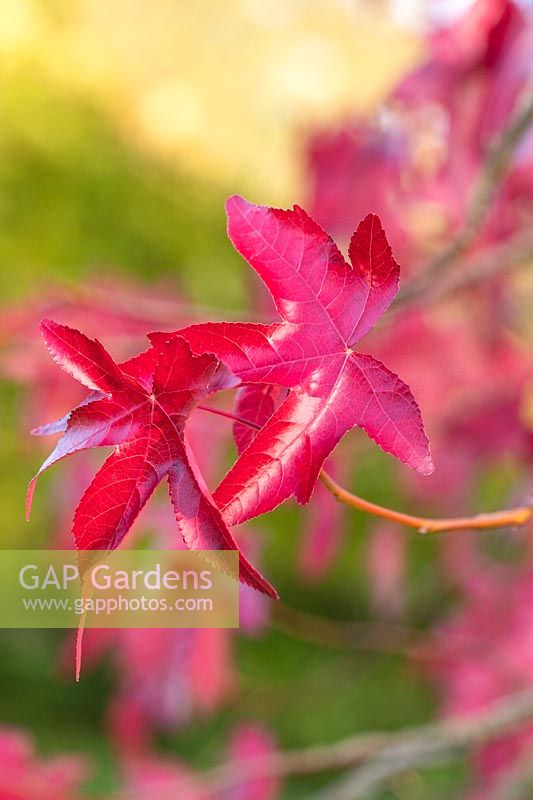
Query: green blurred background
(124, 124)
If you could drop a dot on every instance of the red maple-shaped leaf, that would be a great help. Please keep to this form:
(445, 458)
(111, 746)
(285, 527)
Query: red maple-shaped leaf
(141, 409)
(326, 306)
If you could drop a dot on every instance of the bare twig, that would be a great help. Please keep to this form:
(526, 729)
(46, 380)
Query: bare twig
(516, 783)
(431, 744)
(496, 166)
(378, 756)
(309, 761)
(499, 260)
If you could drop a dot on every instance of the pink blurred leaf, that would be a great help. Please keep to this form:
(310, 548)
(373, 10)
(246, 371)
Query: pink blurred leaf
(386, 565)
(23, 776)
(168, 779)
(252, 742)
(323, 527)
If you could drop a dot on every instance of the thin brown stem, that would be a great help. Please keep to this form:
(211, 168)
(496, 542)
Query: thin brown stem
(376, 757)
(499, 260)
(508, 518)
(228, 415)
(430, 744)
(495, 169)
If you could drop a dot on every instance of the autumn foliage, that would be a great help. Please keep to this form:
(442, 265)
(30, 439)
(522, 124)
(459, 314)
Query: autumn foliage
(397, 303)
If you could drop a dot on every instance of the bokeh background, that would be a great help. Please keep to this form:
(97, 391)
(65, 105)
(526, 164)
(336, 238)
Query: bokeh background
(124, 124)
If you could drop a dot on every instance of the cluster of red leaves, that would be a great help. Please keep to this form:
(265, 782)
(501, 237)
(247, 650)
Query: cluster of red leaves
(322, 389)
(190, 673)
(432, 137)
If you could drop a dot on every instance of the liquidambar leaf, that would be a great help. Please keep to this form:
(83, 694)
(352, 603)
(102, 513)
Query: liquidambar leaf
(141, 409)
(326, 306)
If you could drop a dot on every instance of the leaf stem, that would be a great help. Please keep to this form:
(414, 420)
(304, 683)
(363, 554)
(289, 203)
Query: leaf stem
(513, 517)
(229, 415)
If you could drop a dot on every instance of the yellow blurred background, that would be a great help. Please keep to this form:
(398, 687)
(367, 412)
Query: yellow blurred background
(220, 89)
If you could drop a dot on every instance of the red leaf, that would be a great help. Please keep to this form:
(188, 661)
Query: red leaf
(326, 306)
(83, 358)
(143, 415)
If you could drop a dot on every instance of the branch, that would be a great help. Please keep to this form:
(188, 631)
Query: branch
(156, 309)
(431, 744)
(513, 517)
(358, 635)
(496, 166)
(509, 518)
(310, 761)
(378, 756)
(383, 637)
(498, 260)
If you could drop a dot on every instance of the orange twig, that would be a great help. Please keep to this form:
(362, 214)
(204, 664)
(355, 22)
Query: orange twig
(512, 517)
